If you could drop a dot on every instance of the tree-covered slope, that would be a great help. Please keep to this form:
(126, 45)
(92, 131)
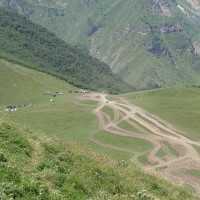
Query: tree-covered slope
(33, 167)
(149, 43)
(30, 44)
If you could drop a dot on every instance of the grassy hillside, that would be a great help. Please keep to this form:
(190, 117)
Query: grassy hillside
(47, 168)
(67, 117)
(148, 43)
(179, 106)
(35, 47)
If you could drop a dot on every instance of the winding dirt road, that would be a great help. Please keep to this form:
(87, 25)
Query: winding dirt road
(175, 168)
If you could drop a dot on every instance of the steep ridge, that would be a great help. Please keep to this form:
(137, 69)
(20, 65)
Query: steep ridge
(35, 47)
(149, 43)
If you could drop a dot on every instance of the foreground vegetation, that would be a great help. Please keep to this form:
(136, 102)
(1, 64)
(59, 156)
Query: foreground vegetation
(33, 46)
(46, 168)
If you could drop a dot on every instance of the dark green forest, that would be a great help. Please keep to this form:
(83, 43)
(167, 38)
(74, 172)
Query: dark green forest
(24, 42)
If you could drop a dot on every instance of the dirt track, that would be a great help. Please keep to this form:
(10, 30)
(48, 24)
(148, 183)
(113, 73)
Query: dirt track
(159, 133)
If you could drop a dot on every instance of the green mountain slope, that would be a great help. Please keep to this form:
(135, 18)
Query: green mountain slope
(149, 43)
(32, 45)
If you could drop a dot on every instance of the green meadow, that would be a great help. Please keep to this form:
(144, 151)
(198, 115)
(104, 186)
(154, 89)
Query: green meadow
(126, 143)
(179, 106)
(67, 117)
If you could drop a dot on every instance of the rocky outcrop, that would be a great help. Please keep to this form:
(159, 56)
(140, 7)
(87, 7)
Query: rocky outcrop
(162, 7)
(89, 3)
(93, 27)
(196, 46)
(195, 4)
(56, 12)
(21, 6)
(171, 28)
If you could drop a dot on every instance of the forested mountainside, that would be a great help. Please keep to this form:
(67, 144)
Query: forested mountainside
(148, 43)
(34, 46)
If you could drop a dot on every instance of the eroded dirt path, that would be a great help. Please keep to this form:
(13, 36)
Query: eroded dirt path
(173, 168)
